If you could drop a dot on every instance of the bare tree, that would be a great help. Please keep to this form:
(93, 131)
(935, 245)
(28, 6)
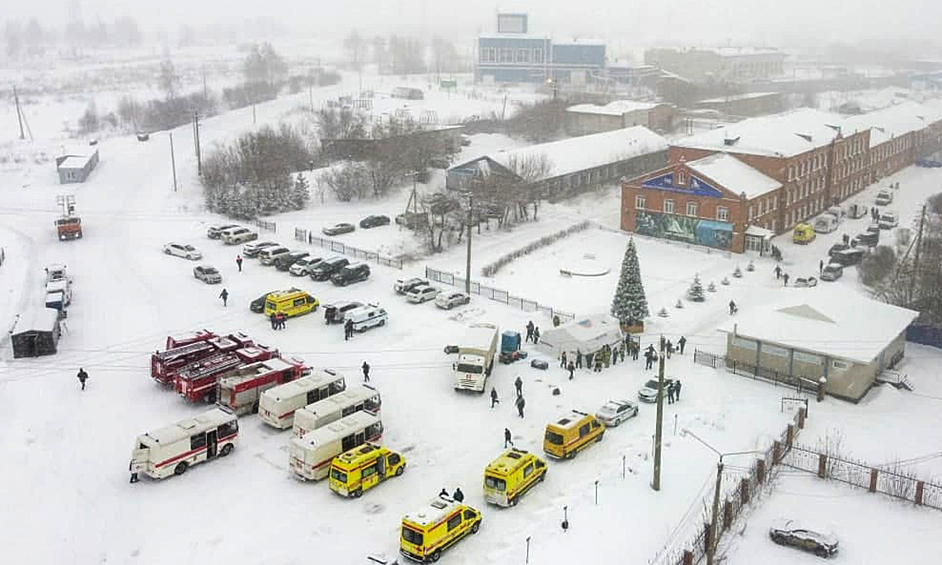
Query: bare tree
(439, 209)
(168, 80)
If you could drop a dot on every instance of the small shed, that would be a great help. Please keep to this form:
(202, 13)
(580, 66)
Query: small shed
(75, 168)
(587, 334)
(36, 333)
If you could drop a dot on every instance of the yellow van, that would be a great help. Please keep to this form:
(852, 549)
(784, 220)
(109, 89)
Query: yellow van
(803, 233)
(290, 303)
(511, 475)
(571, 433)
(364, 467)
(432, 529)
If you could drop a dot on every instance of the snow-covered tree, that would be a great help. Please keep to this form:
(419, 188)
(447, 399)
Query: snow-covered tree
(712, 287)
(630, 305)
(299, 193)
(695, 292)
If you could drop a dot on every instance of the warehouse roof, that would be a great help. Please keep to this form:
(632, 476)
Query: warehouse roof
(734, 175)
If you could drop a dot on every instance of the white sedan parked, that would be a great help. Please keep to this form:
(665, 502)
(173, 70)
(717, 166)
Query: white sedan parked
(422, 294)
(448, 300)
(183, 250)
(615, 412)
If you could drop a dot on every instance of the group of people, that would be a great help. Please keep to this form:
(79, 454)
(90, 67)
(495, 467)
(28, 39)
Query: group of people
(347, 330)
(519, 403)
(673, 391)
(780, 275)
(667, 347)
(277, 320)
(533, 333)
(457, 496)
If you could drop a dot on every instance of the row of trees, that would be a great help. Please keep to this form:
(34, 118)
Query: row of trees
(258, 174)
(401, 55)
(31, 38)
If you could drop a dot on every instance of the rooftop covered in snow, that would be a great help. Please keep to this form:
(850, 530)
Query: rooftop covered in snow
(892, 122)
(734, 175)
(614, 108)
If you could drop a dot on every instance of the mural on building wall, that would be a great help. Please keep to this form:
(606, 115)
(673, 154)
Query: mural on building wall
(681, 228)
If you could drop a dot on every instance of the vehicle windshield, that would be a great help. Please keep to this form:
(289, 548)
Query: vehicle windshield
(607, 409)
(412, 536)
(495, 483)
(554, 438)
(189, 248)
(832, 268)
(210, 271)
(651, 384)
(467, 368)
(338, 476)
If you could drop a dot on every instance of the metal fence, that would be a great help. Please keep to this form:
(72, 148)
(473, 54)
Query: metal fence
(305, 236)
(895, 483)
(266, 226)
(497, 295)
(800, 384)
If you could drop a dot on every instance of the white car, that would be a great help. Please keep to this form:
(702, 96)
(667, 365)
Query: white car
(648, 393)
(614, 412)
(403, 286)
(888, 220)
(235, 236)
(207, 274)
(183, 250)
(253, 249)
(215, 231)
(422, 294)
(884, 197)
(303, 266)
(448, 300)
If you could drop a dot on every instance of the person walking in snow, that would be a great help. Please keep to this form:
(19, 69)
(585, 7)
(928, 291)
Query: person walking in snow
(648, 359)
(458, 496)
(669, 347)
(820, 266)
(529, 331)
(732, 308)
(598, 363)
(347, 330)
(366, 371)
(281, 320)
(239, 262)
(443, 494)
(494, 399)
(572, 369)
(578, 358)
(273, 321)
(785, 278)
(676, 390)
(518, 384)
(588, 360)
(507, 438)
(635, 350)
(225, 296)
(520, 404)
(778, 273)
(536, 335)
(562, 362)
(670, 393)
(82, 377)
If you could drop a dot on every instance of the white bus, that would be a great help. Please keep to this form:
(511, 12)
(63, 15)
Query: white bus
(277, 405)
(310, 456)
(173, 449)
(333, 408)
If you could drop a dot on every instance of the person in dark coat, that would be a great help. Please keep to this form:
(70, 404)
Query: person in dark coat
(529, 331)
(536, 335)
(280, 316)
(578, 358)
(845, 238)
(494, 399)
(507, 438)
(682, 342)
(82, 377)
(458, 496)
(239, 262)
(820, 266)
(520, 404)
(225, 296)
(348, 330)
(443, 493)
(614, 356)
(778, 273)
(732, 308)
(588, 361)
(366, 371)
(562, 360)
(785, 278)
(669, 347)
(518, 384)
(676, 390)
(273, 321)
(648, 359)
(572, 369)
(670, 393)
(635, 350)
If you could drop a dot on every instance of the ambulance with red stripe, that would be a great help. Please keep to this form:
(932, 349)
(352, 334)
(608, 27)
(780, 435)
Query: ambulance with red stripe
(310, 456)
(277, 405)
(174, 449)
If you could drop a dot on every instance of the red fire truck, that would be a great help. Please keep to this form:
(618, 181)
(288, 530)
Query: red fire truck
(197, 381)
(174, 341)
(165, 364)
(240, 389)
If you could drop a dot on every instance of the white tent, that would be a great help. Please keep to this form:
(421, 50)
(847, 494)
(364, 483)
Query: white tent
(587, 334)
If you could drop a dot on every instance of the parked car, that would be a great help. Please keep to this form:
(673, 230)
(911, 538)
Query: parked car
(648, 392)
(412, 220)
(303, 266)
(338, 229)
(832, 272)
(805, 282)
(888, 220)
(284, 262)
(884, 197)
(866, 239)
(448, 300)
(374, 221)
(336, 313)
(614, 412)
(183, 250)
(836, 248)
(403, 286)
(788, 532)
(268, 255)
(234, 236)
(207, 274)
(354, 272)
(253, 249)
(326, 268)
(422, 294)
(215, 231)
(849, 257)
(540, 364)
(931, 163)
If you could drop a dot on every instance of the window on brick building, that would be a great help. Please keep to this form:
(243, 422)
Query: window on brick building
(722, 213)
(751, 212)
(639, 202)
(681, 178)
(692, 209)
(668, 206)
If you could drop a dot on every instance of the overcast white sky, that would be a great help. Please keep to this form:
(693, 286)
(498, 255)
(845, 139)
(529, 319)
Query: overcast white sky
(689, 22)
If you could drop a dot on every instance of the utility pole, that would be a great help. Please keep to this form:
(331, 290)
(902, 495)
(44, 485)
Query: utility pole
(310, 93)
(196, 141)
(912, 281)
(711, 548)
(173, 163)
(19, 113)
(253, 114)
(467, 276)
(659, 423)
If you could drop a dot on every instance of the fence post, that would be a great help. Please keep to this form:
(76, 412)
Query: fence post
(873, 480)
(789, 435)
(822, 465)
(776, 452)
(707, 536)
(760, 471)
(919, 488)
(744, 491)
(821, 383)
(688, 557)
(801, 418)
(727, 515)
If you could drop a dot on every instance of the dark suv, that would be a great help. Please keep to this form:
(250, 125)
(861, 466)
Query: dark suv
(284, 262)
(326, 268)
(350, 274)
(374, 221)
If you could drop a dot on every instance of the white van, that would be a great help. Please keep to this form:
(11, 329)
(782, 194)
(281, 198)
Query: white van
(366, 317)
(825, 223)
(277, 405)
(333, 408)
(173, 449)
(310, 456)
(233, 236)
(268, 255)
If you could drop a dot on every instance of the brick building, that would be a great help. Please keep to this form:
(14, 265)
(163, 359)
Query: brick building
(719, 64)
(583, 119)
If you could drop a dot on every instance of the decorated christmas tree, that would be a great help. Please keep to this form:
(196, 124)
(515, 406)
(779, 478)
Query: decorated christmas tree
(695, 292)
(712, 287)
(630, 305)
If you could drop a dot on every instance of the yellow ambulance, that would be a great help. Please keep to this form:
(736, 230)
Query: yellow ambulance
(364, 467)
(435, 527)
(511, 475)
(290, 303)
(571, 433)
(803, 233)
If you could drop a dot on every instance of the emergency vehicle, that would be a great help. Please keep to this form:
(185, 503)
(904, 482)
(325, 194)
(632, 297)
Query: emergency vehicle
(197, 381)
(164, 365)
(511, 475)
(364, 467)
(173, 449)
(432, 529)
(310, 456)
(240, 389)
(186, 339)
(572, 433)
(333, 408)
(278, 404)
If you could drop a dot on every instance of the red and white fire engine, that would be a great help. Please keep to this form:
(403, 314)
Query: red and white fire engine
(165, 364)
(174, 341)
(240, 389)
(197, 381)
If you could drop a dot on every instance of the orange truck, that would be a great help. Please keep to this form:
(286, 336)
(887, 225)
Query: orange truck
(69, 227)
